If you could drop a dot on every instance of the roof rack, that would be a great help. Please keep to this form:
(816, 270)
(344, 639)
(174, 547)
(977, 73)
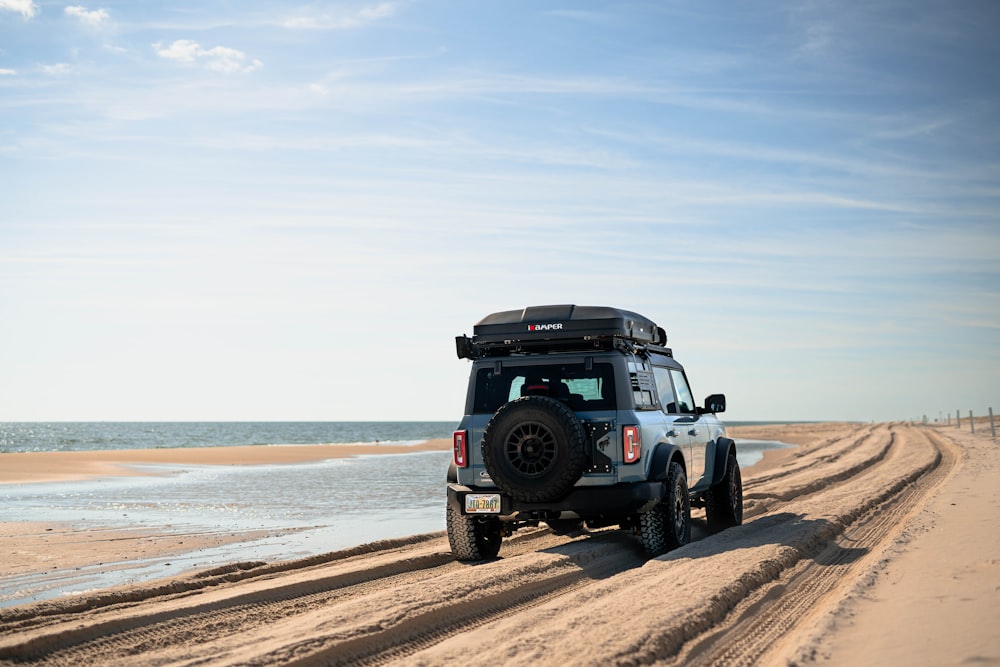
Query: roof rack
(559, 328)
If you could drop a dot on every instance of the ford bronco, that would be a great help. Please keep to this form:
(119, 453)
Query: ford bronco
(580, 416)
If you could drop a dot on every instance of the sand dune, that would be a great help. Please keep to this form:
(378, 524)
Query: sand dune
(866, 544)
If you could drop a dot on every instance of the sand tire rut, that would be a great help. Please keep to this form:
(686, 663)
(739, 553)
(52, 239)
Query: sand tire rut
(387, 604)
(724, 599)
(756, 626)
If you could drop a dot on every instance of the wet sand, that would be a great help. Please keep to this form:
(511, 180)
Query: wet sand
(866, 544)
(30, 467)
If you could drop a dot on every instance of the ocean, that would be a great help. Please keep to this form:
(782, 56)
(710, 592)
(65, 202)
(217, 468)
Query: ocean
(78, 436)
(308, 508)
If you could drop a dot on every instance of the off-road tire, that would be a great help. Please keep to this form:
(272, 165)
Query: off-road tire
(534, 449)
(724, 502)
(473, 537)
(668, 524)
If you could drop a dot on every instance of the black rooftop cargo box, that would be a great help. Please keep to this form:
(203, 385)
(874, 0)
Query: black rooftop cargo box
(542, 328)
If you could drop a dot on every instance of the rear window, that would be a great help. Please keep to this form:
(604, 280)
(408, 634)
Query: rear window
(579, 388)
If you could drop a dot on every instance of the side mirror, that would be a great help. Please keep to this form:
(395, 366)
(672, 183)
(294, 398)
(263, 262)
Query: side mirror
(715, 403)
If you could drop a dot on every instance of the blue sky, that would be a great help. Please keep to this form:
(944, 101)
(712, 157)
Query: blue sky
(226, 211)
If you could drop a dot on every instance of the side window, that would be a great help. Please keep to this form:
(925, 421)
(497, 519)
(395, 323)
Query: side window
(643, 384)
(684, 401)
(665, 389)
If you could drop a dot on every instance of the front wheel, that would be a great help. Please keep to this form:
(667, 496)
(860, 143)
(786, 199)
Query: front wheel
(473, 537)
(668, 525)
(724, 503)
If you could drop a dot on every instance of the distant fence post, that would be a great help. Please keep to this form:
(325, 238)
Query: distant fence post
(972, 423)
(993, 429)
(958, 419)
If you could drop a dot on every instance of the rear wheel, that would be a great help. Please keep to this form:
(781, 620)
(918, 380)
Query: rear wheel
(668, 525)
(724, 503)
(473, 537)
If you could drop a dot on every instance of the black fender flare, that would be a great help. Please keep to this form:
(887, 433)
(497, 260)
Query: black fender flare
(452, 473)
(723, 446)
(663, 454)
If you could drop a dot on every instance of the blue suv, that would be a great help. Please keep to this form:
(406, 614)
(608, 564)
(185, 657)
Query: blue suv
(580, 416)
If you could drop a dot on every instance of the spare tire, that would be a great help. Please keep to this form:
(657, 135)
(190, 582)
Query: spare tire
(534, 449)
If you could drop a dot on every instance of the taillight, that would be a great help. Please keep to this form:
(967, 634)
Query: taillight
(631, 444)
(460, 441)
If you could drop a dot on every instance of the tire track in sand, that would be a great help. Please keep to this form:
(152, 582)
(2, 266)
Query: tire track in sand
(209, 619)
(681, 605)
(759, 623)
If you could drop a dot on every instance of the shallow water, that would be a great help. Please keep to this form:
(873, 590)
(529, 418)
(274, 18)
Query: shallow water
(316, 508)
(749, 452)
(312, 508)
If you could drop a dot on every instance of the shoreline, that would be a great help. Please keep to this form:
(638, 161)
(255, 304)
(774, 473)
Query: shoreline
(41, 467)
(80, 465)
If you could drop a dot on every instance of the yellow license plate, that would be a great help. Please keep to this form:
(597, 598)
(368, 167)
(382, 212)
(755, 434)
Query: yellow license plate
(482, 503)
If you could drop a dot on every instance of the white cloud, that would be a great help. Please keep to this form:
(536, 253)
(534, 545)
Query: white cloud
(220, 58)
(25, 8)
(57, 70)
(8, 72)
(343, 20)
(90, 17)
(183, 50)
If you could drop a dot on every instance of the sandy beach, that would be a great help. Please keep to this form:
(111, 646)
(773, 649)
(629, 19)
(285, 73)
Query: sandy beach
(62, 466)
(865, 544)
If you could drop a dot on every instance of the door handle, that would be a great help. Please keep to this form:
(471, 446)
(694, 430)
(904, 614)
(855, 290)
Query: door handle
(671, 433)
(693, 431)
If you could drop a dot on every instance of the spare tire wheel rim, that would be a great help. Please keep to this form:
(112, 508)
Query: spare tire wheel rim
(531, 448)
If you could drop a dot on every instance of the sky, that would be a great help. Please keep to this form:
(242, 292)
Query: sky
(215, 210)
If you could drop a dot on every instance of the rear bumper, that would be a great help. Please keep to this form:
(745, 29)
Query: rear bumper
(587, 501)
